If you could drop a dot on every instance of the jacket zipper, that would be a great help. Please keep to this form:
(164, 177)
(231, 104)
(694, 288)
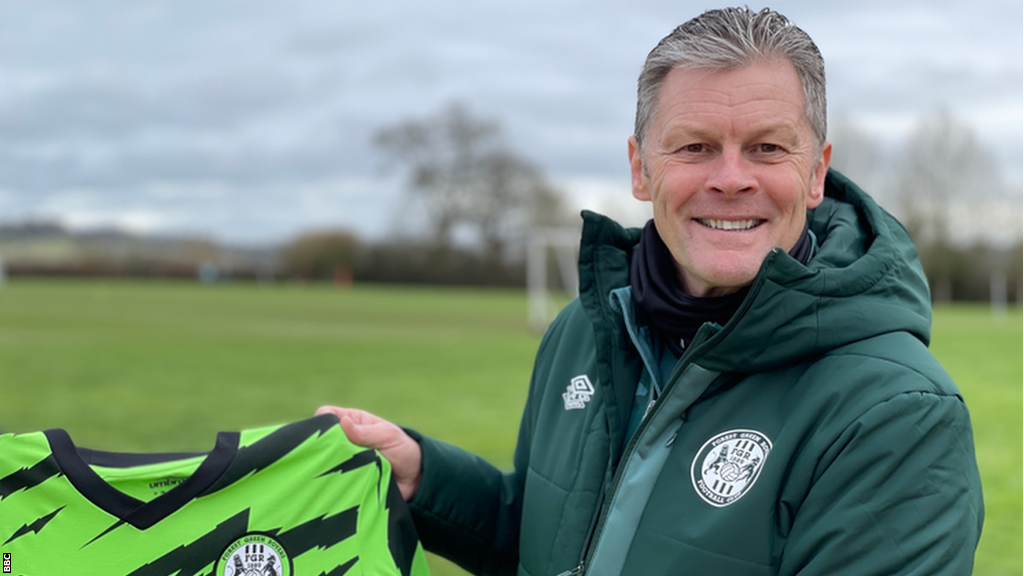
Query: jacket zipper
(702, 337)
(578, 570)
(597, 526)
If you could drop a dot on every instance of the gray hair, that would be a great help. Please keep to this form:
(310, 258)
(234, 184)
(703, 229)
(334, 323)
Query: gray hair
(730, 38)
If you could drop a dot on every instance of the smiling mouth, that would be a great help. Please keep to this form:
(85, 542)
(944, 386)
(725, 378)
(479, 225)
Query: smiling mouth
(731, 225)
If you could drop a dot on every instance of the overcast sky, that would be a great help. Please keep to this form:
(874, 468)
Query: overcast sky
(251, 121)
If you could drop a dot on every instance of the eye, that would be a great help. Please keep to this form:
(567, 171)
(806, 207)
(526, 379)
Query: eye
(768, 148)
(693, 148)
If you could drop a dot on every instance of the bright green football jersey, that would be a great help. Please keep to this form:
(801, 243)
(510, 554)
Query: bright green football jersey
(292, 500)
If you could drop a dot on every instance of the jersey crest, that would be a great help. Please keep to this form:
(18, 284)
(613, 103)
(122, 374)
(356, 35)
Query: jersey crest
(254, 555)
(727, 466)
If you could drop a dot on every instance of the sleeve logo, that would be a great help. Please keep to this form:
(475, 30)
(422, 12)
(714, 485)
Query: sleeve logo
(254, 555)
(727, 465)
(578, 393)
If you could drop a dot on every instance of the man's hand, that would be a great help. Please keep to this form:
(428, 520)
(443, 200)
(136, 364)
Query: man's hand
(365, 429)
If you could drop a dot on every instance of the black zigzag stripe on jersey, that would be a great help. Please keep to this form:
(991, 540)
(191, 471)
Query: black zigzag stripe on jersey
(358, 461)
(322, 532)
(115, 526)
(29, 477)
(189, 559)
(261, 454)
(343, 569)
(402, 537)
(33, 527)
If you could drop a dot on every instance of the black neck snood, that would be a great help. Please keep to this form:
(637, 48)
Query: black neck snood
(674, 315)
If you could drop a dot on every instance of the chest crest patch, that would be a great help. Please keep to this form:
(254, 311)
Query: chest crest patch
(727, 465)
(254, 555)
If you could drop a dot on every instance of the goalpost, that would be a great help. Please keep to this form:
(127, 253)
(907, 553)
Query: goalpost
(563, 243)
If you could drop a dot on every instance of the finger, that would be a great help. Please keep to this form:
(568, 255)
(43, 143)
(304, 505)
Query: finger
(350, 428)
(328, 410)
(357, 416)
(374, 434)
(360, 417)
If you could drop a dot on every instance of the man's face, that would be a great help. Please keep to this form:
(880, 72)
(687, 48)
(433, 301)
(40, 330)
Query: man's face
(730, 166)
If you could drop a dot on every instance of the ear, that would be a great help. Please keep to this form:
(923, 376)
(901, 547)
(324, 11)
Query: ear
(636, 170)
(817, 193)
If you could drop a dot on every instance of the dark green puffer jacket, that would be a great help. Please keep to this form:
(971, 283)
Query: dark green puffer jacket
(813, 434)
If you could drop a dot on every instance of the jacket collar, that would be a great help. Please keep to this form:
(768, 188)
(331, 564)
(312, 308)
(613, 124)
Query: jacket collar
(792, 310)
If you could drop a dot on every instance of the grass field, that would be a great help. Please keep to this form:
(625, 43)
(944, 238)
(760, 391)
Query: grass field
(157, 366)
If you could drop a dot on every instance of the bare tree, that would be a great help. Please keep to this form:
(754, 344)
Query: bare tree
(516, 196)
(459, 166)
(857, 155)
(943, 165)
(321, 255)
(944, 171)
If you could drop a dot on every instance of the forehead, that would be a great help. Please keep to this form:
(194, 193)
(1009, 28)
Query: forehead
(758, 96)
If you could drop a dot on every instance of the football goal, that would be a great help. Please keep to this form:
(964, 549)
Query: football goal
(551, 266)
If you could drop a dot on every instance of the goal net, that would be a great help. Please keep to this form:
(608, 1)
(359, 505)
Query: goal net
(551, 268)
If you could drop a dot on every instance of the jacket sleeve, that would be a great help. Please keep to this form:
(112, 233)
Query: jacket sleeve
(898, 492)
(468, 511)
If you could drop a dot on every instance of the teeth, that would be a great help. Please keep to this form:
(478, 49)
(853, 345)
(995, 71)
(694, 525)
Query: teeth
(729, 224)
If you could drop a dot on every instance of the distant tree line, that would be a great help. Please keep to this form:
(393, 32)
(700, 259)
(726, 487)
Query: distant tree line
(338, 256)
(478, 198)
(341, 258)
(49, 249)
(944, 186)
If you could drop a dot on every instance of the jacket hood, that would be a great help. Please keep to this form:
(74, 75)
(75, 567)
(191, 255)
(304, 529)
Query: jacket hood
(864, 280)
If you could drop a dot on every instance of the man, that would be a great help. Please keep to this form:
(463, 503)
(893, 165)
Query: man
(743, 387)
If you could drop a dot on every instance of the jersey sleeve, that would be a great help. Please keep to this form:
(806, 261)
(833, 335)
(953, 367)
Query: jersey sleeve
(388, 536)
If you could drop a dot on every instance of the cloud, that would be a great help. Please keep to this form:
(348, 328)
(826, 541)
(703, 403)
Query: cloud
(261, 100)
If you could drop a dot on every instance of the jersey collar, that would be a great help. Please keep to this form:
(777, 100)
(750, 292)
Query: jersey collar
(75, 463)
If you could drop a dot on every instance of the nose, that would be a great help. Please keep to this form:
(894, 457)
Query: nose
(731, 174)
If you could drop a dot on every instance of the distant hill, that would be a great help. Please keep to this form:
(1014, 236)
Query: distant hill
(45, 248)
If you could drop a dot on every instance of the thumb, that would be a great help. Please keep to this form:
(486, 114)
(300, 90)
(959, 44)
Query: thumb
(356, 424)
(377, 434)
(357, 433)
(369, 431)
